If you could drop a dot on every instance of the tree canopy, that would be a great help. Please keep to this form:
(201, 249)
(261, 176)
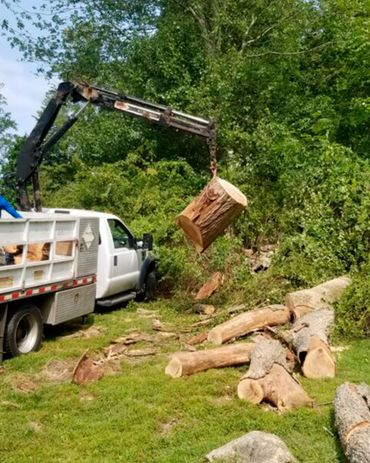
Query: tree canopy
(286, 81)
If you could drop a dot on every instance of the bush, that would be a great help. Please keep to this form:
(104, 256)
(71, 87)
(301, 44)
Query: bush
(353, 310)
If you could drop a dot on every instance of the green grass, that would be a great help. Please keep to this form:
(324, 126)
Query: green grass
(142, 415)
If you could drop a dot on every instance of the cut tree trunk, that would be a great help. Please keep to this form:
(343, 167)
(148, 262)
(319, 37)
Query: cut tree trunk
(187, 363)
(269, 380)
(256, 447)
(249, 321)
(319, 297)
(207, 216)
(309, 337)
(352, 418)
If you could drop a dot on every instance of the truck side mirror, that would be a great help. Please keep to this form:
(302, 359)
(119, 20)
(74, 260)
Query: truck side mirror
(148, 241)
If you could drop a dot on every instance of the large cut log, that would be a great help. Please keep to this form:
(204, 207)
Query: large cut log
(207, 216)
(319, 297)
(247, 322)
(187, 363)
(352, 418)
(309, 337)
(256, 447)
(269, 380)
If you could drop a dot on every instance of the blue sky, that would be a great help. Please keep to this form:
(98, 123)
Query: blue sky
(23, 90)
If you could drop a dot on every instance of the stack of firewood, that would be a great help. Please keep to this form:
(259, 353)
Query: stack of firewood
(274, 355)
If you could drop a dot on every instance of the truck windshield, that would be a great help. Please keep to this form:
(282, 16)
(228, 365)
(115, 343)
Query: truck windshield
(120, 236)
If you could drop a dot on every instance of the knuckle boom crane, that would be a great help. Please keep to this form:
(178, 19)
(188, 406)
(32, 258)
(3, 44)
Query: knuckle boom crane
(40, 141)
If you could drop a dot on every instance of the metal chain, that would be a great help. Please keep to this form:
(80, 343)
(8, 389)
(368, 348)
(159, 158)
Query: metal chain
(213, 152)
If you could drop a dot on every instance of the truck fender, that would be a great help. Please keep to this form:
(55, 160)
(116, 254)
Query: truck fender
(148, 265)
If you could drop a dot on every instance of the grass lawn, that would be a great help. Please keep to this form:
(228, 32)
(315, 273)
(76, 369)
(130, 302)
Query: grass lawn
(142, 415)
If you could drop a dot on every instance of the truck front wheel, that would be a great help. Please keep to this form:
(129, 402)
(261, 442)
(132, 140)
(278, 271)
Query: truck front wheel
(24, 331)
(150, 286)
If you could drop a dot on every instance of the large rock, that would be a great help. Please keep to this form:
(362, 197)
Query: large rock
(254, 447)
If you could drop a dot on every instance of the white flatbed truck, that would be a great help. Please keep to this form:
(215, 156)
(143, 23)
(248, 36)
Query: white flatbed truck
(57, 264)
(84, 258)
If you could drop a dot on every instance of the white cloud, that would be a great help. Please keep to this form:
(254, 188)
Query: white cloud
(23, 91)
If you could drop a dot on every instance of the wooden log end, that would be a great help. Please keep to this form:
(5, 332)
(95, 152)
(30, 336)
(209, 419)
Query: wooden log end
(215, 337)
(234, 193)
(192, 231)
(250, 390)
(174, 368)
(319, 361)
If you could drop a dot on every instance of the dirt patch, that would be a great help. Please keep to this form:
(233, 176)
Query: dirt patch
(166, 428)
(87, 333)
(57, 370)
(35, 426)
(22, 383)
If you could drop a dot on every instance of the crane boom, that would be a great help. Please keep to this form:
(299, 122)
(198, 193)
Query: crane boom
(37, 144)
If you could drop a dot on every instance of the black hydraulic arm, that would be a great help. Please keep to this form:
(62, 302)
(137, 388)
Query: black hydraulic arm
(36, 145)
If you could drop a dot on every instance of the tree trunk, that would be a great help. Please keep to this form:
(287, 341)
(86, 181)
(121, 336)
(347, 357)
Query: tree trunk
(319, 297)
(278, 387)
(268, 379)
(249, 321)
(309, 337)
(352, 418)
(207, 216)
(187, 363)
(256, 447)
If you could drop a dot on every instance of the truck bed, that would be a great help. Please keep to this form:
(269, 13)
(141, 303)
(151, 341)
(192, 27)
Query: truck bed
(42, 251)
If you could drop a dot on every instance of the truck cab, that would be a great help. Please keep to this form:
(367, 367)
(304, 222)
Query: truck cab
(125, 266)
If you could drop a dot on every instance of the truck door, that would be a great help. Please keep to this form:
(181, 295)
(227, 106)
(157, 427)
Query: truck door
(124, 258)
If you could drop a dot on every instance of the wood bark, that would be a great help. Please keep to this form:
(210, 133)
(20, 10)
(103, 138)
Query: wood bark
(207, 216)
(188, 363)
(249, 321)
(256, 447)
(309, 337)
(352, 418)
(269, 380)
(319, 297)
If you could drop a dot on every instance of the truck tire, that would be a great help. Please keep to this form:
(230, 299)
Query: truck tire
(150, 286)
(24, 331)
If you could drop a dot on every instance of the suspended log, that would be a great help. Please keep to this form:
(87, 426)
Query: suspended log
(352, 418)
(207, 216)
(249, 321)
(269, 380)
(187, 363)
(256, 447)
(309, 337)
(319, 297)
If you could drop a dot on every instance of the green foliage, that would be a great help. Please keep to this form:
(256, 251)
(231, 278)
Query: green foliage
(353, 310)
(288, 85)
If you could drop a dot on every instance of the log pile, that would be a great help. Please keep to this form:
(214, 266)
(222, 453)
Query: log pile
(274, 354)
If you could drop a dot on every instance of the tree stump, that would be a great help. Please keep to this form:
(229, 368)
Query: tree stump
(269, 380)
(352, 418)
(309, 337)
(187, 363)
(247, 322)
(319, 297)
(207, 216)
(256, 447)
